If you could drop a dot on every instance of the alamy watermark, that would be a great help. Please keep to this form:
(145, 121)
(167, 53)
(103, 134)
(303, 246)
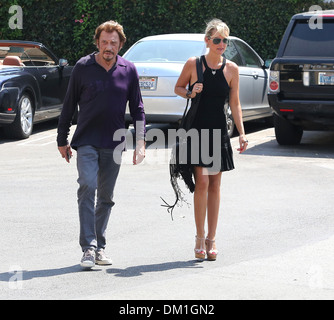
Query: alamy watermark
(316, 21)
(16, 20)
(204, 147)
(15, 281)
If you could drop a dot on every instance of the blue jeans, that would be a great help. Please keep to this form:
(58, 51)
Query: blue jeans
(98, 170)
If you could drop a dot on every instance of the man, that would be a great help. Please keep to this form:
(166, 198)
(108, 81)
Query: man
(101, 84)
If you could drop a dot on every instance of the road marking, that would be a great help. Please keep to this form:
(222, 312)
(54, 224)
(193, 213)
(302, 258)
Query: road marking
(32, 142)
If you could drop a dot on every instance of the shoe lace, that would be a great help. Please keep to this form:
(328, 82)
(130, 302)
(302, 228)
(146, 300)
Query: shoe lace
(89, 253)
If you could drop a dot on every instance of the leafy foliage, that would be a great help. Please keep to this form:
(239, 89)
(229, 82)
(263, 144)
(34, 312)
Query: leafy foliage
(68, 26)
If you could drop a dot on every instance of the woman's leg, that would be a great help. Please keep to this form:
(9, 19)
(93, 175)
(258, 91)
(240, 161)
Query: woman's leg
(213, 204)
(200, 202)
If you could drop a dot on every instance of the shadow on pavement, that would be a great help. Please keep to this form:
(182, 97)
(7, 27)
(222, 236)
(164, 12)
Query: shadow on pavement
(136, 271)
(28, 275)
(315, 144)
(139, 270)
(38, 128)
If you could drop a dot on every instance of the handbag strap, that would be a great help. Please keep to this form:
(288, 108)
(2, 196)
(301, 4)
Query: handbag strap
(199, 69)
(185, 110)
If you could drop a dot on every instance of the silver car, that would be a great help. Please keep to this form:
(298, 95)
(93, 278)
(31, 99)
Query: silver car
(160, 59)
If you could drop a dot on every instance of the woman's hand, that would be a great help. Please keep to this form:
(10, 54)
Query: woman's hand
(198, 88)
(243, 142)
(188, 75)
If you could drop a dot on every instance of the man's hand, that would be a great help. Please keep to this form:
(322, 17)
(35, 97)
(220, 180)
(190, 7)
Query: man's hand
(139, 153)
(66, 152)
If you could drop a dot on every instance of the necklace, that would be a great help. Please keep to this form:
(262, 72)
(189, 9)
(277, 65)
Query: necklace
(214, 71)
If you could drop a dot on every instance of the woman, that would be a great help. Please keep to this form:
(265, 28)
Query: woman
(221, 82)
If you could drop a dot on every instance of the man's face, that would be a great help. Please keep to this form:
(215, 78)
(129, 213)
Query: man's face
(109, 45)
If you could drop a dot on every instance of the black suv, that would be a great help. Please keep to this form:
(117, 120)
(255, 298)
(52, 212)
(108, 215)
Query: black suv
(301, 83)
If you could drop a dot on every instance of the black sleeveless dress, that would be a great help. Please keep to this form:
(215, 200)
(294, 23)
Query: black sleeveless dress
(215, 151)
(212, 148)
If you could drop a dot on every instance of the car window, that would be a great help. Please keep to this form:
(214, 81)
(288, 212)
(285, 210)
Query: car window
(250, 58)
(39, 58)
(165, 51)
(305, 41)
(231, 53)
(28, 56)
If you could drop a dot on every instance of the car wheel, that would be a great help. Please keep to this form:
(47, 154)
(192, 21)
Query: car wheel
(22, 126)
(229, 120)
(287, 133)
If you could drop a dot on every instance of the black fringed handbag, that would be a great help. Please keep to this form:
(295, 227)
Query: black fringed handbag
(180, 165)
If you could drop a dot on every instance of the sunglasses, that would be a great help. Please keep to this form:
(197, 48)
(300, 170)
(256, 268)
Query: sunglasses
(218, 40)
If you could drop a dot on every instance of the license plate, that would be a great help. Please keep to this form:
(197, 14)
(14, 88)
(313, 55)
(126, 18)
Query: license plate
(148, 83)
(326, 78)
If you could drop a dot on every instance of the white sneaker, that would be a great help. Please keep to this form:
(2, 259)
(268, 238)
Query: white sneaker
(88, 259)
(102, 258)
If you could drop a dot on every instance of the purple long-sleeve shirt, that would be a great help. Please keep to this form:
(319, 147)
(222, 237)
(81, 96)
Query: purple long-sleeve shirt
(102, 97)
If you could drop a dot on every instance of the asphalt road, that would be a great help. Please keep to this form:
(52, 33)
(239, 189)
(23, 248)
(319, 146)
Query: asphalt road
(275, 233)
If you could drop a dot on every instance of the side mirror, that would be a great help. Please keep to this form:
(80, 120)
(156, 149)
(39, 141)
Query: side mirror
(267, 63)
(63, 62)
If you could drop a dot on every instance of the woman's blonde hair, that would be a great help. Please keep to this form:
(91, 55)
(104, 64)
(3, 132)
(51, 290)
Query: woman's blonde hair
(216, 25)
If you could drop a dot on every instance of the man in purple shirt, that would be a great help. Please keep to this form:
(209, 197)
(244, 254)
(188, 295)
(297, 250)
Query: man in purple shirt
(101, 84)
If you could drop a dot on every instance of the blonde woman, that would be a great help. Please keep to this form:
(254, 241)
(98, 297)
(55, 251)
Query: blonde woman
(221, 82)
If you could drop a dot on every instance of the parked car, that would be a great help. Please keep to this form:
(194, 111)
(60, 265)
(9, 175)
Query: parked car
(301, 85)
(33, 84)
(160, 59)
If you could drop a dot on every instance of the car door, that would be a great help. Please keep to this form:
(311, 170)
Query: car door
(245, 78)
(258, 80)
(50, 82)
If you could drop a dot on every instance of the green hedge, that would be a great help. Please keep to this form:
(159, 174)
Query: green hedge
(68, 27)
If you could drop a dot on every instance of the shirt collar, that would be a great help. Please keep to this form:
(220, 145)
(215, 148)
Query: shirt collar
(91, 60)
